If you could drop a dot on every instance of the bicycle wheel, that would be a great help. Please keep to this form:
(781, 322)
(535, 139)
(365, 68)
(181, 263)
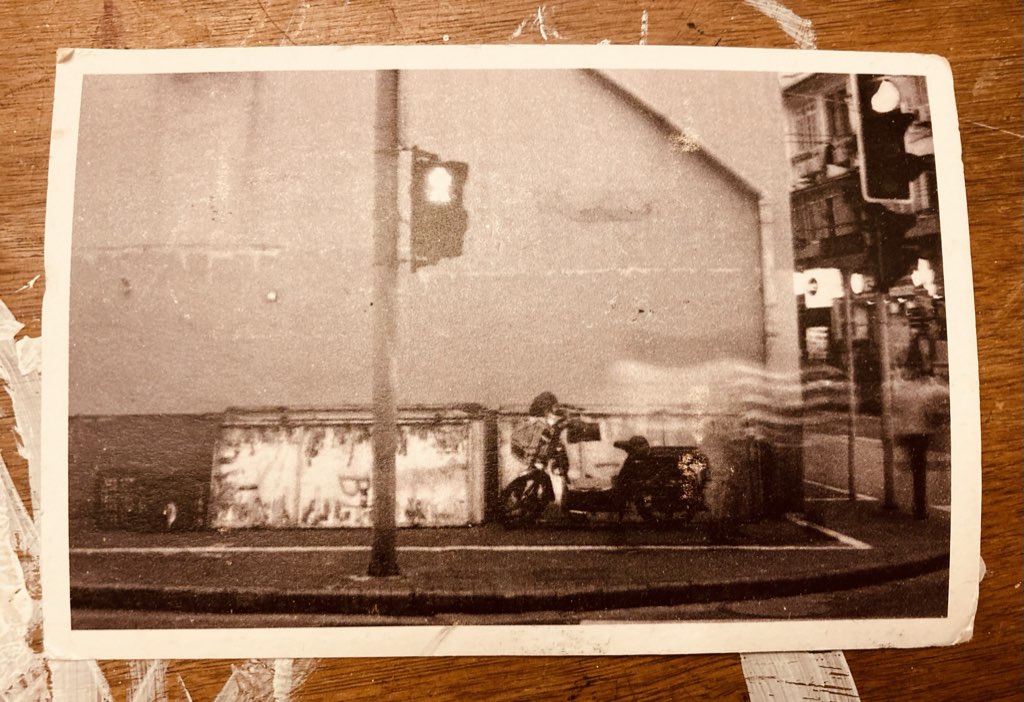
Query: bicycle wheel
(522, 501)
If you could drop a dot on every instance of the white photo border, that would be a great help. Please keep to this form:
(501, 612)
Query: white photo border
(61, 641)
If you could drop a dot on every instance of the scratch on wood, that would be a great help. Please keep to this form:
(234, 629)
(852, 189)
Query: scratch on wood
(30, 284)
(277, 26)
(994, 129)
(184, 690)
(300, 11)
(644, 20)
(540, 23)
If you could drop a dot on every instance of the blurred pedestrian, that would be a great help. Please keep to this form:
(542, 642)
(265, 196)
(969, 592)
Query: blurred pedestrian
(920, 403)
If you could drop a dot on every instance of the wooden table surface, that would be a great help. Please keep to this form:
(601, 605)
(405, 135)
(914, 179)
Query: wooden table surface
(982, 42)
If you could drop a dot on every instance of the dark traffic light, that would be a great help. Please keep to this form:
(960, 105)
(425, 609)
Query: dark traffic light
(886, 168)
(894, 256)
(438, 218)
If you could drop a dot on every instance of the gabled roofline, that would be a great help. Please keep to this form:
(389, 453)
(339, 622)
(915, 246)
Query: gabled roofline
(669, 128)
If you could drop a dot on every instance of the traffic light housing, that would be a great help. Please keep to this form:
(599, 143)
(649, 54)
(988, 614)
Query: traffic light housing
(886, 168)
(438, 219)
(894, 256)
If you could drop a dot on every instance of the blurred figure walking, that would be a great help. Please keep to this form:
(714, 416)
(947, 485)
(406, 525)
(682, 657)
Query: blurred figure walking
(920, 404)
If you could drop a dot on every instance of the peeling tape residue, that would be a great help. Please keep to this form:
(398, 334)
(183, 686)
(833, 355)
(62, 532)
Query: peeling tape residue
(23, 675)
(257, 679)
(26, 675)
(817, 677)
(801, 30)
(78, 680)
(147, 681)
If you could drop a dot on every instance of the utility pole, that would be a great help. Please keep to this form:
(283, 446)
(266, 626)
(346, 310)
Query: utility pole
(885, 361)
(383, 557)
(851, 384)
(883, 267)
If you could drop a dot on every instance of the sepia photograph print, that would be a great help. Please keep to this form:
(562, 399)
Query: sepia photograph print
(407, 351)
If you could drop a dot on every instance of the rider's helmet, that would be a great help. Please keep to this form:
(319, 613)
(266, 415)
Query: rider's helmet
(543, 404)
(634, 445)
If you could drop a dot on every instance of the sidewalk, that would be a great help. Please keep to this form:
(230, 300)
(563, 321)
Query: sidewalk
(487, 570)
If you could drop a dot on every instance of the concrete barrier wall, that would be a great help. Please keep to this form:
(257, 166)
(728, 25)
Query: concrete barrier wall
(313, 469)
(170, 453)
(735, 479)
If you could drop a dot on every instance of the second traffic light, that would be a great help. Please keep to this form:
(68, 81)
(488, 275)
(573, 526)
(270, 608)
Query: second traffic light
(886, 168)
(894, 255)
(438, 217)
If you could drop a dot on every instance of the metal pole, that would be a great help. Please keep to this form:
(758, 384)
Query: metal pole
(885, 361)
(851, 383)
(383, 556)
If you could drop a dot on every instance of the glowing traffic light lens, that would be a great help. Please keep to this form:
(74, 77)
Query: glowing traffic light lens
(439, 185)
(886, 98)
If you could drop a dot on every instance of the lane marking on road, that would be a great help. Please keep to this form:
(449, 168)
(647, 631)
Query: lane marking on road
(838, 536)
(867, 498)
(860, 496)
(539, 548)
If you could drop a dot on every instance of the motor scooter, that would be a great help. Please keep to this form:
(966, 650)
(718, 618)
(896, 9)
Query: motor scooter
(662, 483)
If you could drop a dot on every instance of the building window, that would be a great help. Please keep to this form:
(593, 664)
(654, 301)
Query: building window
(915, 97)
(924, 192)
(805, 127)
(803, 227)
(837, 113)
(823, 215)
(829, 214)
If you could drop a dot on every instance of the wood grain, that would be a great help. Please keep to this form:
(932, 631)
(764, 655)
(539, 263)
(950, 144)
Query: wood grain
(983, 45)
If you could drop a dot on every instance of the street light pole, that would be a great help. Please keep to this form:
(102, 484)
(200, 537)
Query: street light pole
(851, 389)
(885, 361)
(383, 557)
(882, 267)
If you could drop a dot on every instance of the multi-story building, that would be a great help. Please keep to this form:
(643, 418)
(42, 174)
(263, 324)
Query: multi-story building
(834, 231)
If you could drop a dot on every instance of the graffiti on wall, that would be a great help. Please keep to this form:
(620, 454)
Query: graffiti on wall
(316, 475)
